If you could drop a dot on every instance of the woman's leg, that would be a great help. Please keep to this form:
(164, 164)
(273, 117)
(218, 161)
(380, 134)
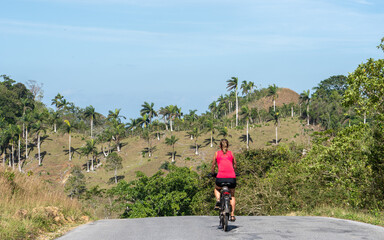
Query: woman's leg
(217, 193)
(233, 201)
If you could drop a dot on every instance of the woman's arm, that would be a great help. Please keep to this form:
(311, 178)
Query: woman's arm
(234, 163)
(213, 163)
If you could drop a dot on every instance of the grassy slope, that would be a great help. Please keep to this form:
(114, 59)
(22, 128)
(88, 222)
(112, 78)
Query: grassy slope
(56, 166)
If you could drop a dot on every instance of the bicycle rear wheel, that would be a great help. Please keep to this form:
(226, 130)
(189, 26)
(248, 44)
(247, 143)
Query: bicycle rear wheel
(225, 222)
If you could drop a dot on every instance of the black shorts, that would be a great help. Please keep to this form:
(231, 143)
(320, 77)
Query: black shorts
(231, 181)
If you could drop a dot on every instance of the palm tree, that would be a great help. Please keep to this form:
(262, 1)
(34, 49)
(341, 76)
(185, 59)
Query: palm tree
(114, 162)
(90, 149)
(105, 136)
(157, 126)
(166, 113)
(210, 127)
(146, 134)
(213, 108)
(57, 101)
(92, 114)
(246, 88)
(68, 129)
(118, 131)
(224, 132)
(196, 134)
(27, 119)
(25, 102)
(171, 142)
(39, 127)
(246, 114)
(144, 121)
(251, 85)
(272, 91)
(13, 131)
(115, 115)
(276, 118)
(233, 85)
(62, 104)
(304, 98)
(54, 118)
(174, 112)
(19, 162)
(133, 124)
(147, 109)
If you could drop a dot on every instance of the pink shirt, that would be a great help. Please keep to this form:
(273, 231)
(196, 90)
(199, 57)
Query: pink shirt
(225, 164)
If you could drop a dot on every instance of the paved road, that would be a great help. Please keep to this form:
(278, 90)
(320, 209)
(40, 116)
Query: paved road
(203, 227)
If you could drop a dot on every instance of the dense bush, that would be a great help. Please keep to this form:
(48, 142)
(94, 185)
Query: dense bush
(158, 195)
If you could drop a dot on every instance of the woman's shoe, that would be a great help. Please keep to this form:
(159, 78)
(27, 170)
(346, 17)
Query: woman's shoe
(232, 218)
(217, 206)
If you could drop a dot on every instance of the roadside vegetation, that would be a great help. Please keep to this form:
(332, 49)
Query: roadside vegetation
(298, 154)
(30, 207)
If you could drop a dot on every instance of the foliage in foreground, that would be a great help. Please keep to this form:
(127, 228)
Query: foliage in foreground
(159, 195)
(30, 207)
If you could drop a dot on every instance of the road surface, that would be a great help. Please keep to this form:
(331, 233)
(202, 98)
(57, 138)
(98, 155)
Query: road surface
(206, 227)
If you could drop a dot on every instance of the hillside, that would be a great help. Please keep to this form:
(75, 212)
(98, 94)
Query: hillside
(284, 96)
(56, 166)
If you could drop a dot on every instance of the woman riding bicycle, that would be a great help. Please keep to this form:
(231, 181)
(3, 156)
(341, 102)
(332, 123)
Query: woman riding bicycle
(226, 163)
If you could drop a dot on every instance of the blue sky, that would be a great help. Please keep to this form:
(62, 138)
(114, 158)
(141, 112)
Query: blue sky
(120, 53)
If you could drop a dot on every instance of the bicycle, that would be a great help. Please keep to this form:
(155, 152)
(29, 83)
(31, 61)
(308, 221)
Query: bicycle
(225, 205)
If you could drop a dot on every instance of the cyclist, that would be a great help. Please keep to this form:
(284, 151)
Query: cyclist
(226, 163)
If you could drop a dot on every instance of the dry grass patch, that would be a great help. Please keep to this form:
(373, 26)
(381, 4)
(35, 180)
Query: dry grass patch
(30, 207)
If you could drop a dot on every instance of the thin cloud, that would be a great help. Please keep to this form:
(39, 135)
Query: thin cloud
(364, 2)
(77, 32)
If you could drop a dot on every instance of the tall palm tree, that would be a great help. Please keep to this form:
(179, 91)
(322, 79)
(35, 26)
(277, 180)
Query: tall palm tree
(164, 111)
(245, 88)
(90, 149)
(233, 85)
(118, 132)
(57, 101)
(304, 98)
(19, 162)
(276, 118)
(174, 112)
(92, 114)
(13, 131)
(210, 127)
(68, 129)
(146, 134)
(149, 110)
(133, 124)
(27, 119)
(25, 102)
(196, 134)
(171, 142)
(213, 108)
(272, 91)
(115, 115)
(251, 85)
(157, 126)
(38, 127)
(62, 104)
(246, 114)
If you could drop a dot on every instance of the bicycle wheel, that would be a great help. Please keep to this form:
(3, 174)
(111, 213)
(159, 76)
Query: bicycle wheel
(225, 222)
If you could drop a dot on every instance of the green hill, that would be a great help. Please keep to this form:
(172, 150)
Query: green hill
(57, 167)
